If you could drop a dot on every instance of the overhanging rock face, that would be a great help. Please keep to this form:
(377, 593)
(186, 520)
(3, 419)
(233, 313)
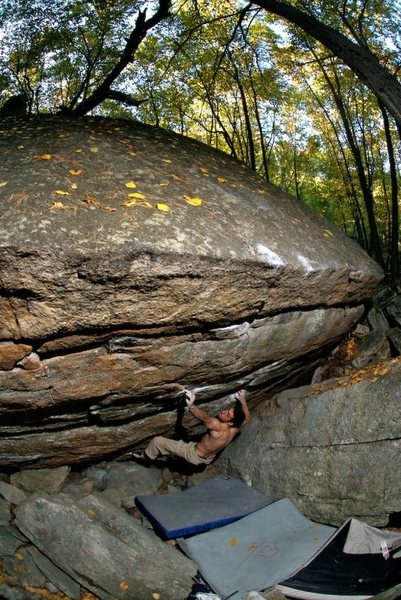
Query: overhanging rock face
(135, 262)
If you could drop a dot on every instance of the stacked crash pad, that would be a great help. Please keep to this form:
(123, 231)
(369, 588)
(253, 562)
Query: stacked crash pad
(242, 541)
(214, 503)
(256, 552)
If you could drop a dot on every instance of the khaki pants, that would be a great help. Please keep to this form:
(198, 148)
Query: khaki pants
(164, 446)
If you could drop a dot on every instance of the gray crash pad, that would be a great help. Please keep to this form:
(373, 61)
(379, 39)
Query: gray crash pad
(214, 503)
(258, 551)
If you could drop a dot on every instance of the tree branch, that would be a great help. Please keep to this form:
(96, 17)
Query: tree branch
(142, 26)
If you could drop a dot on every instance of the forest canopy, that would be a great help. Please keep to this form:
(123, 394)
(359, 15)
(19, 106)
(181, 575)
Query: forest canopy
(306, 92)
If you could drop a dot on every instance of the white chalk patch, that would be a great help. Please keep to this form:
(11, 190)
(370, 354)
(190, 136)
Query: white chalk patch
(272, 257)
(305, 263)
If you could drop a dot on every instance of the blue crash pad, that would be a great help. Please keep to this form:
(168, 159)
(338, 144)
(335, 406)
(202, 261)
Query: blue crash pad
(216, 502)
(258, 551)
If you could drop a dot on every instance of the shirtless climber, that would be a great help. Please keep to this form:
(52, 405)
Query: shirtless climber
(221, 430)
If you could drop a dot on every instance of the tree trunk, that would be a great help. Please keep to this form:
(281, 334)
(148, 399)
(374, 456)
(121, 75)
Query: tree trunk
(359, 58)
(394, 232)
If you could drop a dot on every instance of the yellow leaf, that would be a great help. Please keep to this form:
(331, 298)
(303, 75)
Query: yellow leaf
(131, 185)
(233, 185)
(222, 180)
(45, 156)
(167, 160)
(58, 205)
(203, 170)
(3, 183)
(74, 186)
(130, 203)
(137, 195)
(147, 205)
(19, 556)
(94, 149)
(162, 207)
(193, 201)
(328, 233)
(155, 596)
(75, 171)
(61, 192)
(164, 184)
(78, 150)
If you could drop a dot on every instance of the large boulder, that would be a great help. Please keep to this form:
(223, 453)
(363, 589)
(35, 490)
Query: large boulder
(334, 447)
(135, 262)
(104, 549)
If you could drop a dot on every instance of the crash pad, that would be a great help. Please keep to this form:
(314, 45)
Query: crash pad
(213, 503)
(257, 551)
(356, 563)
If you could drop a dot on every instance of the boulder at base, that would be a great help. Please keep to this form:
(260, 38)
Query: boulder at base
(334, 448)
(134, 263)
(104, 549)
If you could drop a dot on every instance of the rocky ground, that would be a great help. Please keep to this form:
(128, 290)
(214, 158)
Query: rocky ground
(76, 534)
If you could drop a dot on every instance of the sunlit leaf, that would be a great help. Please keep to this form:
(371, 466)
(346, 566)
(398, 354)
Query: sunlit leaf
(94, 149)
(75, 171)
(131, 185)
(45, 156)
(164, 184)
(328, 233)
(3, 183)
(58, 204)
(78, 150)
(130, 203)
(222, 180)
(137, 195)
(61, 192)
(74, 186)
(203, 171)
(162, 207)
(166, 160)
(195, 201)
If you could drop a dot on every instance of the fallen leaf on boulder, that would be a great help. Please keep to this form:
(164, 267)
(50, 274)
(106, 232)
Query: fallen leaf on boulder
(162, 207)
(195, 201)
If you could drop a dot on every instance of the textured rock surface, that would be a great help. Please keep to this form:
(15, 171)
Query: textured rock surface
(334, 448)
(103, 549)
(110, 304)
